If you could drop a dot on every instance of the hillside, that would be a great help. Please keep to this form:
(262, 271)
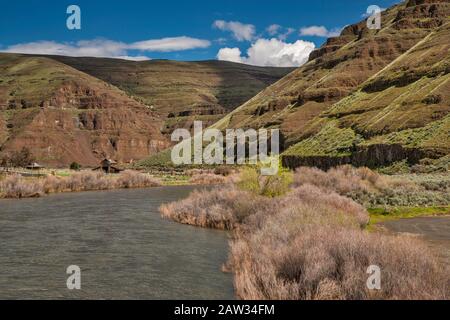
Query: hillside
(63, 115)
(367, 97)
(182, 92)
(83, 109)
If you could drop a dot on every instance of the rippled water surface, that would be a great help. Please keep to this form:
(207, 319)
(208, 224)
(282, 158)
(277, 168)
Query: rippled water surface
(117, 238)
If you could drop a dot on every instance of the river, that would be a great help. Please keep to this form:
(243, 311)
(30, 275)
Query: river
(118, 239)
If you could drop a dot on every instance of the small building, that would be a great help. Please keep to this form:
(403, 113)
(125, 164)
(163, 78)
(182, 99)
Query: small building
(35, 166)
(108, 166)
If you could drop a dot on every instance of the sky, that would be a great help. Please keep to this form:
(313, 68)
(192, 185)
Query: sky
(257, 32)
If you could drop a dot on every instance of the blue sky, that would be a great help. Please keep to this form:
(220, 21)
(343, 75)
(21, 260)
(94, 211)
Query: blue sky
(180, 30)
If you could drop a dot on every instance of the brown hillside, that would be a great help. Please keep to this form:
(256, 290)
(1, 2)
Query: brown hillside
(64, 115)
(182, 92)
(368, 97)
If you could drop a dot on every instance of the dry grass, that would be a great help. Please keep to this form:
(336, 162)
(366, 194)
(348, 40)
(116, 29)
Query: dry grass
(311, 242)
(207, 179)
(228, 207)
(291, 259)
(220, 208)
(130, 179)
(19, 187)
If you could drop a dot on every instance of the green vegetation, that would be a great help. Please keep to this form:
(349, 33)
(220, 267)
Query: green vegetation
(161, 159)
(75, 166)
(269, 186)
(312, 242)
(364, 88)
(379, 215)
(433, 135)
(186, 91)
(21, 158)
(330, 141)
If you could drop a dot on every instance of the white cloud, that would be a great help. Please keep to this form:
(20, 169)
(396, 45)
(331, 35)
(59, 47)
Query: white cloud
(133, 58)
(108, 48)
(286, 34)
(319, 31)
(230, 54)
(273, 29)
(271, 52)
(241, 31)
(221, 41)
(170, 44)
(280, 32)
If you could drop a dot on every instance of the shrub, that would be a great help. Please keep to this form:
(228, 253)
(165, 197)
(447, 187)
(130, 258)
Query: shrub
(370, 188)
(223, 171)
(323, 262)
(302, 253)
(228, 207)
(132, 179)
(268, 186)
(207, 179)
(310, 243)
(75, 166)
(19, 187)
(21, 158)
(220, 208)
(16, 186)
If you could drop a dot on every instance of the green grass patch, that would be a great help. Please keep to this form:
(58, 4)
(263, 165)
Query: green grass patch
(380, 215)
(330, 141)
(434, 134)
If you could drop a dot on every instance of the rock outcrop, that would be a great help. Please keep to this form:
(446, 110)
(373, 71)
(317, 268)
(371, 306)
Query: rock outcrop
(63, 115)
(367, 97)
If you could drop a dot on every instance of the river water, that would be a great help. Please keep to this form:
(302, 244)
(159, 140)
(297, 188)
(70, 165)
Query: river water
(118, 239)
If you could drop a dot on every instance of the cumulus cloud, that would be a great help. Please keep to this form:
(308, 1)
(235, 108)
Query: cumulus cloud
(230, 54)
(319, 31)
(108, 48)
(241, 31)
(271, 52)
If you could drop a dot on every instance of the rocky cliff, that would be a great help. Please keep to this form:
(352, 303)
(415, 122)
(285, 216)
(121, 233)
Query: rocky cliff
(367, 97)
(181, 92)
(84, 109)
(63, 115)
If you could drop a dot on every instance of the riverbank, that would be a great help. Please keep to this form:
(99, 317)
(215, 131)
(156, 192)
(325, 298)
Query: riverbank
(314, 241)
(17, 186)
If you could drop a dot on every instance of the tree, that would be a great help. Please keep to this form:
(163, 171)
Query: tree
(5, 160)
(22, 158)
(75, 166)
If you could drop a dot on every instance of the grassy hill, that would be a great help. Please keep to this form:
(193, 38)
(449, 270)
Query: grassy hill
(182, 92)
(64, 115)
(83, 109)
(367, 97)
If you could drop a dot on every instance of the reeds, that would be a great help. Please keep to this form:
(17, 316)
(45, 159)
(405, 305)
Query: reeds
(16, 186)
